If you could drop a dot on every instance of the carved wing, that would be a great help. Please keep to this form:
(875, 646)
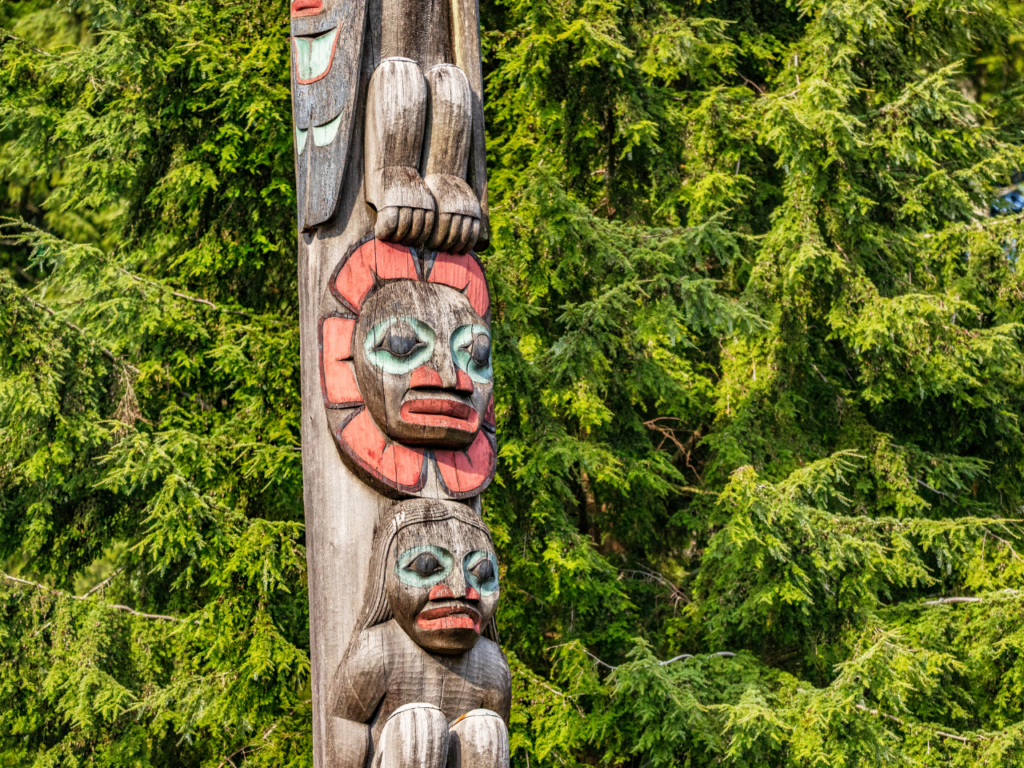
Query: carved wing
(326, 47)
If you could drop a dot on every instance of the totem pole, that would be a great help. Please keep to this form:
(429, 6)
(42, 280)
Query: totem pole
(398, 422)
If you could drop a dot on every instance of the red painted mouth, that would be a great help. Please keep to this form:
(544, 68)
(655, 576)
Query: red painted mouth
(307, 7)
(457, 616)
(441, 412)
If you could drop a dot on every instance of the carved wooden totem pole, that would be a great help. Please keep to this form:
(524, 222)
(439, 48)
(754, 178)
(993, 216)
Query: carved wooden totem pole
(397, 406)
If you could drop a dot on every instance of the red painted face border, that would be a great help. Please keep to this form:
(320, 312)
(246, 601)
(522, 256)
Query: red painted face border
(461, 474)
(374, 262)
(330, 62)
(338, 385)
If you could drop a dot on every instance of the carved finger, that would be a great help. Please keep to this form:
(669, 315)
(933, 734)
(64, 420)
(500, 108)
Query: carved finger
(462, 239)
(428, 228)
(440, 233)
(387, 222)
(474, 233)
(448, 246)
(404, 224)
(415, 235)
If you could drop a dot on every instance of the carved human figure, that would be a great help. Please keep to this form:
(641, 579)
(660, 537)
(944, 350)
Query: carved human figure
(408, 381)
(424, 683)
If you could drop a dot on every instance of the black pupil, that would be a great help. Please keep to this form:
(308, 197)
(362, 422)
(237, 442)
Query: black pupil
(401, 339)
(425, 565)
(485, 571)
(480, 350)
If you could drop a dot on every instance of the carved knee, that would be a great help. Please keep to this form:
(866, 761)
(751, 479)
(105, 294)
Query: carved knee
(479, 739)
(414, 736)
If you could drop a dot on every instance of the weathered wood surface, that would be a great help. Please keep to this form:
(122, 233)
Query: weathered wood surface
(406, 371)
(426, 640)
(417, 141)
(466, 49)
(324, 107)
(340, 509)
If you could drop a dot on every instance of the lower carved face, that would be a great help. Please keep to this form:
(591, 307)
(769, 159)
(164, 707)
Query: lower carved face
(423, 362)
(443, 584)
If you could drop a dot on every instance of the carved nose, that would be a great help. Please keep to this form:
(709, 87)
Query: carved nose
(426, 378)
(463, 383)
(441, 592)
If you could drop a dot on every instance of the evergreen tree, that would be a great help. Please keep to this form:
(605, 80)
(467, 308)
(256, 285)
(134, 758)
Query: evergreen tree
(760, 383)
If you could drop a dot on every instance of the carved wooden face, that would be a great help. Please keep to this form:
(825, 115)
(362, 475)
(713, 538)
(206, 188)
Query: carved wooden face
(323, 77)
(423, 364)
(406, 371)
(442, 585)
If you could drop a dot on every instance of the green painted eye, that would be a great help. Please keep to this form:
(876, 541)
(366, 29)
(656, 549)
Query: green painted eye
(471, 350)
(481, 569)
(399, 345)
(424, 566)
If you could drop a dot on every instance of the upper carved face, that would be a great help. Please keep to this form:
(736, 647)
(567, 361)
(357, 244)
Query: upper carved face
(442, 584)
(324, 71)
(423, 362)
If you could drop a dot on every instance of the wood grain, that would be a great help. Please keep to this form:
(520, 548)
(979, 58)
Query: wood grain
(319, 170)
(335, 121)
(394, 662)
(466, 47)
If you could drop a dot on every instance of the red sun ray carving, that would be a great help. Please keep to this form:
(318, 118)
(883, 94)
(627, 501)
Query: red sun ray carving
(463, 273)
(489, 419)
(398, 465)
(467, 473)
(337, 375)
(386, 261)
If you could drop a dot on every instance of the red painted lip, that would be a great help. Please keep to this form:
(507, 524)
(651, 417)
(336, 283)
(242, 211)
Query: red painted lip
(307, 7)
(459, 616)
(441, 412)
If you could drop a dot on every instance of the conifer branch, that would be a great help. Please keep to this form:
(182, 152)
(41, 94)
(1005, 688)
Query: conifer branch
(936, 731)
(228, 759)
(62, 593)
(183, 296)
(106, 352)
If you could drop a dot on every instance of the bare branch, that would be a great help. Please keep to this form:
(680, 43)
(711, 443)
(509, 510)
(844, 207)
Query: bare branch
(125, 608)
(681, 657)
(937, 732)
(946, 600)
(104, 583)
(179, 295)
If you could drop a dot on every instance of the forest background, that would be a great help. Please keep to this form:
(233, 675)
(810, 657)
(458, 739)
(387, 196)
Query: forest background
(760, 380)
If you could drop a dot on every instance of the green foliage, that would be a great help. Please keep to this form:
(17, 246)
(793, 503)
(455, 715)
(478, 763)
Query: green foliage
(759, 374)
